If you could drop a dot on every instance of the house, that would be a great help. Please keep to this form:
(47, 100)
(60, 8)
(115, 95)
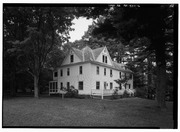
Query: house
(91, 71)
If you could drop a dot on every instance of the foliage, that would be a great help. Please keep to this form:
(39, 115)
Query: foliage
(31, 34)
(115, 93)
(130, 23)
(71, 92)
(122, 81)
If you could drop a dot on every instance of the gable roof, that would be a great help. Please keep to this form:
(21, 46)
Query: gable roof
(89, 55)
(97, 52)
(78, 53)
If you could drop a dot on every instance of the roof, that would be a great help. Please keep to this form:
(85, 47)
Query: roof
(87, 55)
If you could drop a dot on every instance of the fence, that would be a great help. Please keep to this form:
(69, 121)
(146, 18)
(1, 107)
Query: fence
(101, 92)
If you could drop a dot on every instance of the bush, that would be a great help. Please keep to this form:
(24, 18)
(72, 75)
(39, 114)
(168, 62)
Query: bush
(125, 94)
(141, 92)
(115, 94)
(71, 92)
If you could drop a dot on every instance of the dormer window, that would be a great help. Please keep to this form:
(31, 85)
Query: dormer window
(104, 58)
(71, 58)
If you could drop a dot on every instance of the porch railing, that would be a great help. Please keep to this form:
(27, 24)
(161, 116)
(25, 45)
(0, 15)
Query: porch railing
(101, 92)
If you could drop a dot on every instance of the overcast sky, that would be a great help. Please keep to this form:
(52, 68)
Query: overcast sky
(80, 26)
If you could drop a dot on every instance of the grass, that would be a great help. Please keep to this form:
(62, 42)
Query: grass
(54, 111)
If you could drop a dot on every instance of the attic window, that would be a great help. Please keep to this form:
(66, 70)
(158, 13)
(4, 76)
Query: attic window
(72, 58)
(104, 58)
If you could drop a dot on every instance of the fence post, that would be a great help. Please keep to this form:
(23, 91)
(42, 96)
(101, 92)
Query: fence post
(102, 94)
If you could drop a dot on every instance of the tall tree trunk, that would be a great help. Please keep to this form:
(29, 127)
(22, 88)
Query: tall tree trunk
(13, 84)
(36, 77)
(36, 86)
(149, 79)
(161, 76)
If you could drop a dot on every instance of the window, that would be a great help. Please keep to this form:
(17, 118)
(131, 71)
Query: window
(61, 85)
(97, 70)
(53, 87)
(111, 85)
(68, 85)
(55, 74)
(105, 71)
(61, 72)
(72, 58)
(128, 86)
(105, 85)
(97, 85)
(68, 71)
(81, 85)
(105, 59)
(119, 74)
(80, 70)
(111, 73)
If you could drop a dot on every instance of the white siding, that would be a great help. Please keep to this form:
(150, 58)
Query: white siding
(89, 77)
(67, 59)
(106, 78)
(75, 77)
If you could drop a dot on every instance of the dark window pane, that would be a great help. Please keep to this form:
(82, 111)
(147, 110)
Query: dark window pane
(61, 72)
(80, 70)
(97, 70)
(97, 85)
(72, 58)
(55, 74)
(81, 85)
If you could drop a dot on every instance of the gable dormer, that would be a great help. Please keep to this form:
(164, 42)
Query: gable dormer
(104, 57)
(72, 57)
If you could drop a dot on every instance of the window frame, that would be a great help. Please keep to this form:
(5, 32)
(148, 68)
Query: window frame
(68, 85)
(71, 58)
(111, 73)
(120, 74)
(106, 59)
(68, 71)
(97, 70)
(111, 85)
(61, 72)
(104, 71)
(97, 86)
(55, 74)
(80, 70)
(82, 85)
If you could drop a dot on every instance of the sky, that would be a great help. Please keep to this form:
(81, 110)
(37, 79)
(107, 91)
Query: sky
(80, 25)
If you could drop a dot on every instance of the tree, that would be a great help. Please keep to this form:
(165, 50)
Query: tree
(131, 22)
(40, 29)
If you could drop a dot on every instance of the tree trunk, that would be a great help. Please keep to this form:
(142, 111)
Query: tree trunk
(161, 88)
(36, 86)
(149, 79)
(12, 84)
(161, 76)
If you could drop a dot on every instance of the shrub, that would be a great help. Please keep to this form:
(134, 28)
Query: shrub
(115, 93)
(71, 92)
(125, 94)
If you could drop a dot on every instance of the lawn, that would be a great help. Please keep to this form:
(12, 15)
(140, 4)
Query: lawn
(54, 111)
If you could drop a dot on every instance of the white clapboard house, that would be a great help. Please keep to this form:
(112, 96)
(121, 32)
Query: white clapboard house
(91, 71)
